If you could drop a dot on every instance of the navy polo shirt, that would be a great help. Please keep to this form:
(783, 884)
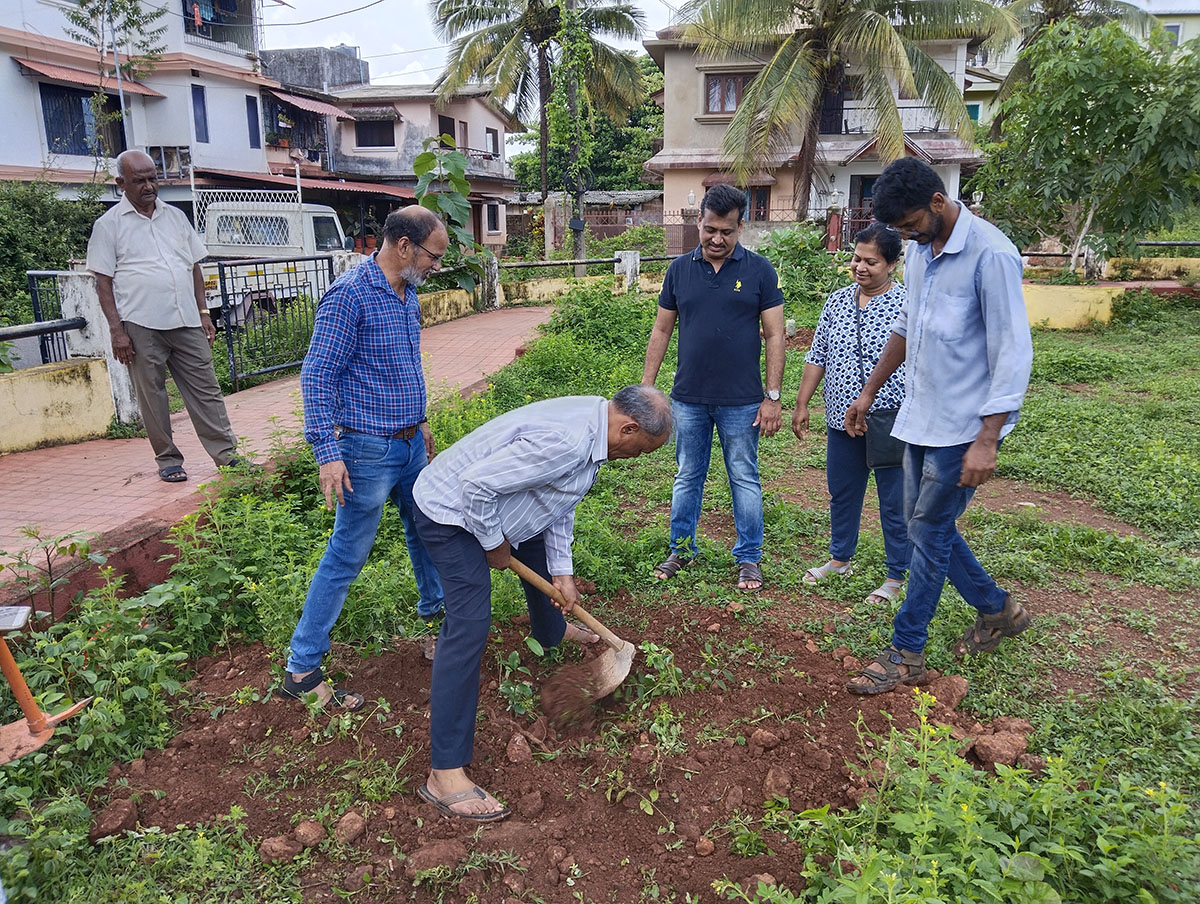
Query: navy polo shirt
(720, 347)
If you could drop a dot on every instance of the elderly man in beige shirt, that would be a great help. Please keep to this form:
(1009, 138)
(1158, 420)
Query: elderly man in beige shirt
(145, 255)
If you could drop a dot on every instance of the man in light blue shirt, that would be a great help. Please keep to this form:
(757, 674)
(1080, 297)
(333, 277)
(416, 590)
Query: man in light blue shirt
(963, 336)
(509, 489)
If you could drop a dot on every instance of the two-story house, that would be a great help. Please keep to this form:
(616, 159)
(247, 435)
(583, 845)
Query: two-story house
(385, 129)
(700, 96)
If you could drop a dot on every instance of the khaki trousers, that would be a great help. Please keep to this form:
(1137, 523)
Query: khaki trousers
(186, 353)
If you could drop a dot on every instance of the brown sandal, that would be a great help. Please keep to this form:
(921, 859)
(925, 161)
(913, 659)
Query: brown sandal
(747, 572)
(989, 630)
(671, 566)
(890, 661)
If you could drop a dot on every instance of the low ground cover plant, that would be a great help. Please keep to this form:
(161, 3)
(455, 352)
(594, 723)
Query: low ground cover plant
(1113, 818)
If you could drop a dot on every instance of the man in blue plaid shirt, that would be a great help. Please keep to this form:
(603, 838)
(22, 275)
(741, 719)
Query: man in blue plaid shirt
(364, 415)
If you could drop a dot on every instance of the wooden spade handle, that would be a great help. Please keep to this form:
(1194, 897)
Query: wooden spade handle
(529, 576)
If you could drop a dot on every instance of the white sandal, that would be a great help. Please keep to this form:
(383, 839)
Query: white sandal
(887, 592)
(821, 572)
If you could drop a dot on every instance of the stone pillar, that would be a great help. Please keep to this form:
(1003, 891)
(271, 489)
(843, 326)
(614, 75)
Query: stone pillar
(629, 265)
(79, 299)
(493, 294)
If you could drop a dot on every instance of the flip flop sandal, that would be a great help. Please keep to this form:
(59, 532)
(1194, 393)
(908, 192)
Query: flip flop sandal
(747, 572)
(671, 566)
(821, 572)
(299, 690)
(890, 660)
(444, 804)
(173, 474)
(887, 592)
(989, 630)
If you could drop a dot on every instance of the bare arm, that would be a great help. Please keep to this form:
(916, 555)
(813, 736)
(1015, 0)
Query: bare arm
(769, 413)
(122, 345)
(656, 348)
(979, 464)
(809, 381)
(891, 358)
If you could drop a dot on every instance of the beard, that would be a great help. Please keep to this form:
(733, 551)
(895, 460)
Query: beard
(413, 276)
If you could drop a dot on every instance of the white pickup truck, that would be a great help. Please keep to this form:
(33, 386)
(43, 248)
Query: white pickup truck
(241, 230)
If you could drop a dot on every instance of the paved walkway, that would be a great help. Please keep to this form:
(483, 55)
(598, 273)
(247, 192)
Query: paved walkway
(110, 486)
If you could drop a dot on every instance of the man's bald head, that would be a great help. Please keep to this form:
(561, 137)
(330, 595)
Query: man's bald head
(415, 223)
(132, 161)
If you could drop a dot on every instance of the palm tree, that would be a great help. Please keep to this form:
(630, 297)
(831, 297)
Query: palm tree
(512, 45)
(1035, 16)
(804, 47)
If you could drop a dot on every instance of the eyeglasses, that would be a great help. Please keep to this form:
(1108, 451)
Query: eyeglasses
(436, 257)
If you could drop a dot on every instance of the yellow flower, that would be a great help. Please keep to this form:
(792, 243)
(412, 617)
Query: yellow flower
(1150, 791)
(933, 863)
(964, 806)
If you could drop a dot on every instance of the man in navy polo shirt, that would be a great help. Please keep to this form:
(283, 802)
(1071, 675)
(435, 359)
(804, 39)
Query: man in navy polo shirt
(720, 293)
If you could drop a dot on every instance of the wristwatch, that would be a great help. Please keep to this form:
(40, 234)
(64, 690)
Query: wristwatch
(773, 395)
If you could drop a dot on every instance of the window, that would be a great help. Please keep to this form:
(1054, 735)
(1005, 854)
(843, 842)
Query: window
(375, 134)
(254, 229)
(200, 113)
(1175, 31)
(973, 112)
(760, 204)
(493, 142)
(724, 92)
(446, 130)
(493, 218)
(463, 143)
(252, 121)
(325, 234)
(71, 122)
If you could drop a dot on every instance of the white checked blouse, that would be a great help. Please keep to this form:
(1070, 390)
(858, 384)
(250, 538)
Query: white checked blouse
(835, 348)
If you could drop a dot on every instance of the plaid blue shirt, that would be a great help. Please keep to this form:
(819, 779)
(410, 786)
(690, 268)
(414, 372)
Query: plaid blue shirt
(363, 367)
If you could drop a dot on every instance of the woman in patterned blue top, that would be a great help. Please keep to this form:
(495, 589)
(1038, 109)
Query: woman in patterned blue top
(870, 305)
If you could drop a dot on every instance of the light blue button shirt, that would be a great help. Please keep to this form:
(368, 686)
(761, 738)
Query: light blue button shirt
(520, 474)
(968, 347)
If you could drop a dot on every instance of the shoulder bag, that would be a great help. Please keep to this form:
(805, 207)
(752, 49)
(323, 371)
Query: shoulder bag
(883, 449)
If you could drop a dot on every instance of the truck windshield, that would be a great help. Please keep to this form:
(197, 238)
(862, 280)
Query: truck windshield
(325, 234)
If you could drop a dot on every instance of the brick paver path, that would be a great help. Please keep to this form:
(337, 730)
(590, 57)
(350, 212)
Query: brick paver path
(102, 486)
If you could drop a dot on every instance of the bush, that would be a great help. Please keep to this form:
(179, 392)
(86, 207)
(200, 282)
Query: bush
(938, 830)
(807, 272)
(38, 231)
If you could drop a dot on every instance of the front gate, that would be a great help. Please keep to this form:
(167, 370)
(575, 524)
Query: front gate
(267, 311)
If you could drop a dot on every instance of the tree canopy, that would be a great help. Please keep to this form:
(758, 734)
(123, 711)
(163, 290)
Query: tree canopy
(1102, 145)
(619, 146)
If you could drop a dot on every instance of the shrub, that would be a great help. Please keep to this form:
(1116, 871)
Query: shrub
(807, 272)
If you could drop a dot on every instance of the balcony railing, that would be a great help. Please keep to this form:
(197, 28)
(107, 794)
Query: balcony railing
(486, 163)
(861, 120)
(171, 161)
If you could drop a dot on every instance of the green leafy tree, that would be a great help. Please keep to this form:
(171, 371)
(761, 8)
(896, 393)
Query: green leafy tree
(1102, 145)
(514, 47)
(781, 107)
(138, 35)
(1036, 16)
(620, 147)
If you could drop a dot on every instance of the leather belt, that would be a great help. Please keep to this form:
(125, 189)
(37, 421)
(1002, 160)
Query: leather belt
(402, 433)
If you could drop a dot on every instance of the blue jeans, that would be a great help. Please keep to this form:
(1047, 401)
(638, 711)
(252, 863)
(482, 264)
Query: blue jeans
(693, 448)
(380, 469)
(846, 474)
(454, 691)
(932, 503)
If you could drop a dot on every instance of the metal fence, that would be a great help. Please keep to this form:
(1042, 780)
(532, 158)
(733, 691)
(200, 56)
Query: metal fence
(267, 311)
(47, 305)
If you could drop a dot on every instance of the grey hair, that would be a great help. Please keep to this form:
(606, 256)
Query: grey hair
(648, 406)
(415, 223)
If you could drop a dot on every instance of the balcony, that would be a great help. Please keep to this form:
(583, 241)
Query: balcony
(487, 164)
(171, 162)
(856, 120)
(231, 33)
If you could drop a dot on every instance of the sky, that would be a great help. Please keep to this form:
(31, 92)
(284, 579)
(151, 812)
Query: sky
(396, 37)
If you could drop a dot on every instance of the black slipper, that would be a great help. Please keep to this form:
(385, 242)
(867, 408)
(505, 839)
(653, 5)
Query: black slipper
(476, 793)
(299, 690)
(172, 474)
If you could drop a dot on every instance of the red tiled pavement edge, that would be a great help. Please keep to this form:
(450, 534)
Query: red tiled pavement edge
(111, 487)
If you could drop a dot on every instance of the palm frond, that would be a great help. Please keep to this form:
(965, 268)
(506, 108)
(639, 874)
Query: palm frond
(940, 90)
(729, 28)
(615, 82)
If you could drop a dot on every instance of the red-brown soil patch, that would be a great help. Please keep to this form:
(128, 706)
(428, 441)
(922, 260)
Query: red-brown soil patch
(581, 794)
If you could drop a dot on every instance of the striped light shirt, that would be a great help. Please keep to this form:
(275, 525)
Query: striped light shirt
(521, 474)
(363, 367)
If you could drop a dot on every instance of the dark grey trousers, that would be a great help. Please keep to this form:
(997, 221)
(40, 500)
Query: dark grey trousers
(186, 353)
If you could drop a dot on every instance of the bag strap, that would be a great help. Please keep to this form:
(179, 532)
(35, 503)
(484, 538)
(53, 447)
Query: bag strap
(862, 371)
